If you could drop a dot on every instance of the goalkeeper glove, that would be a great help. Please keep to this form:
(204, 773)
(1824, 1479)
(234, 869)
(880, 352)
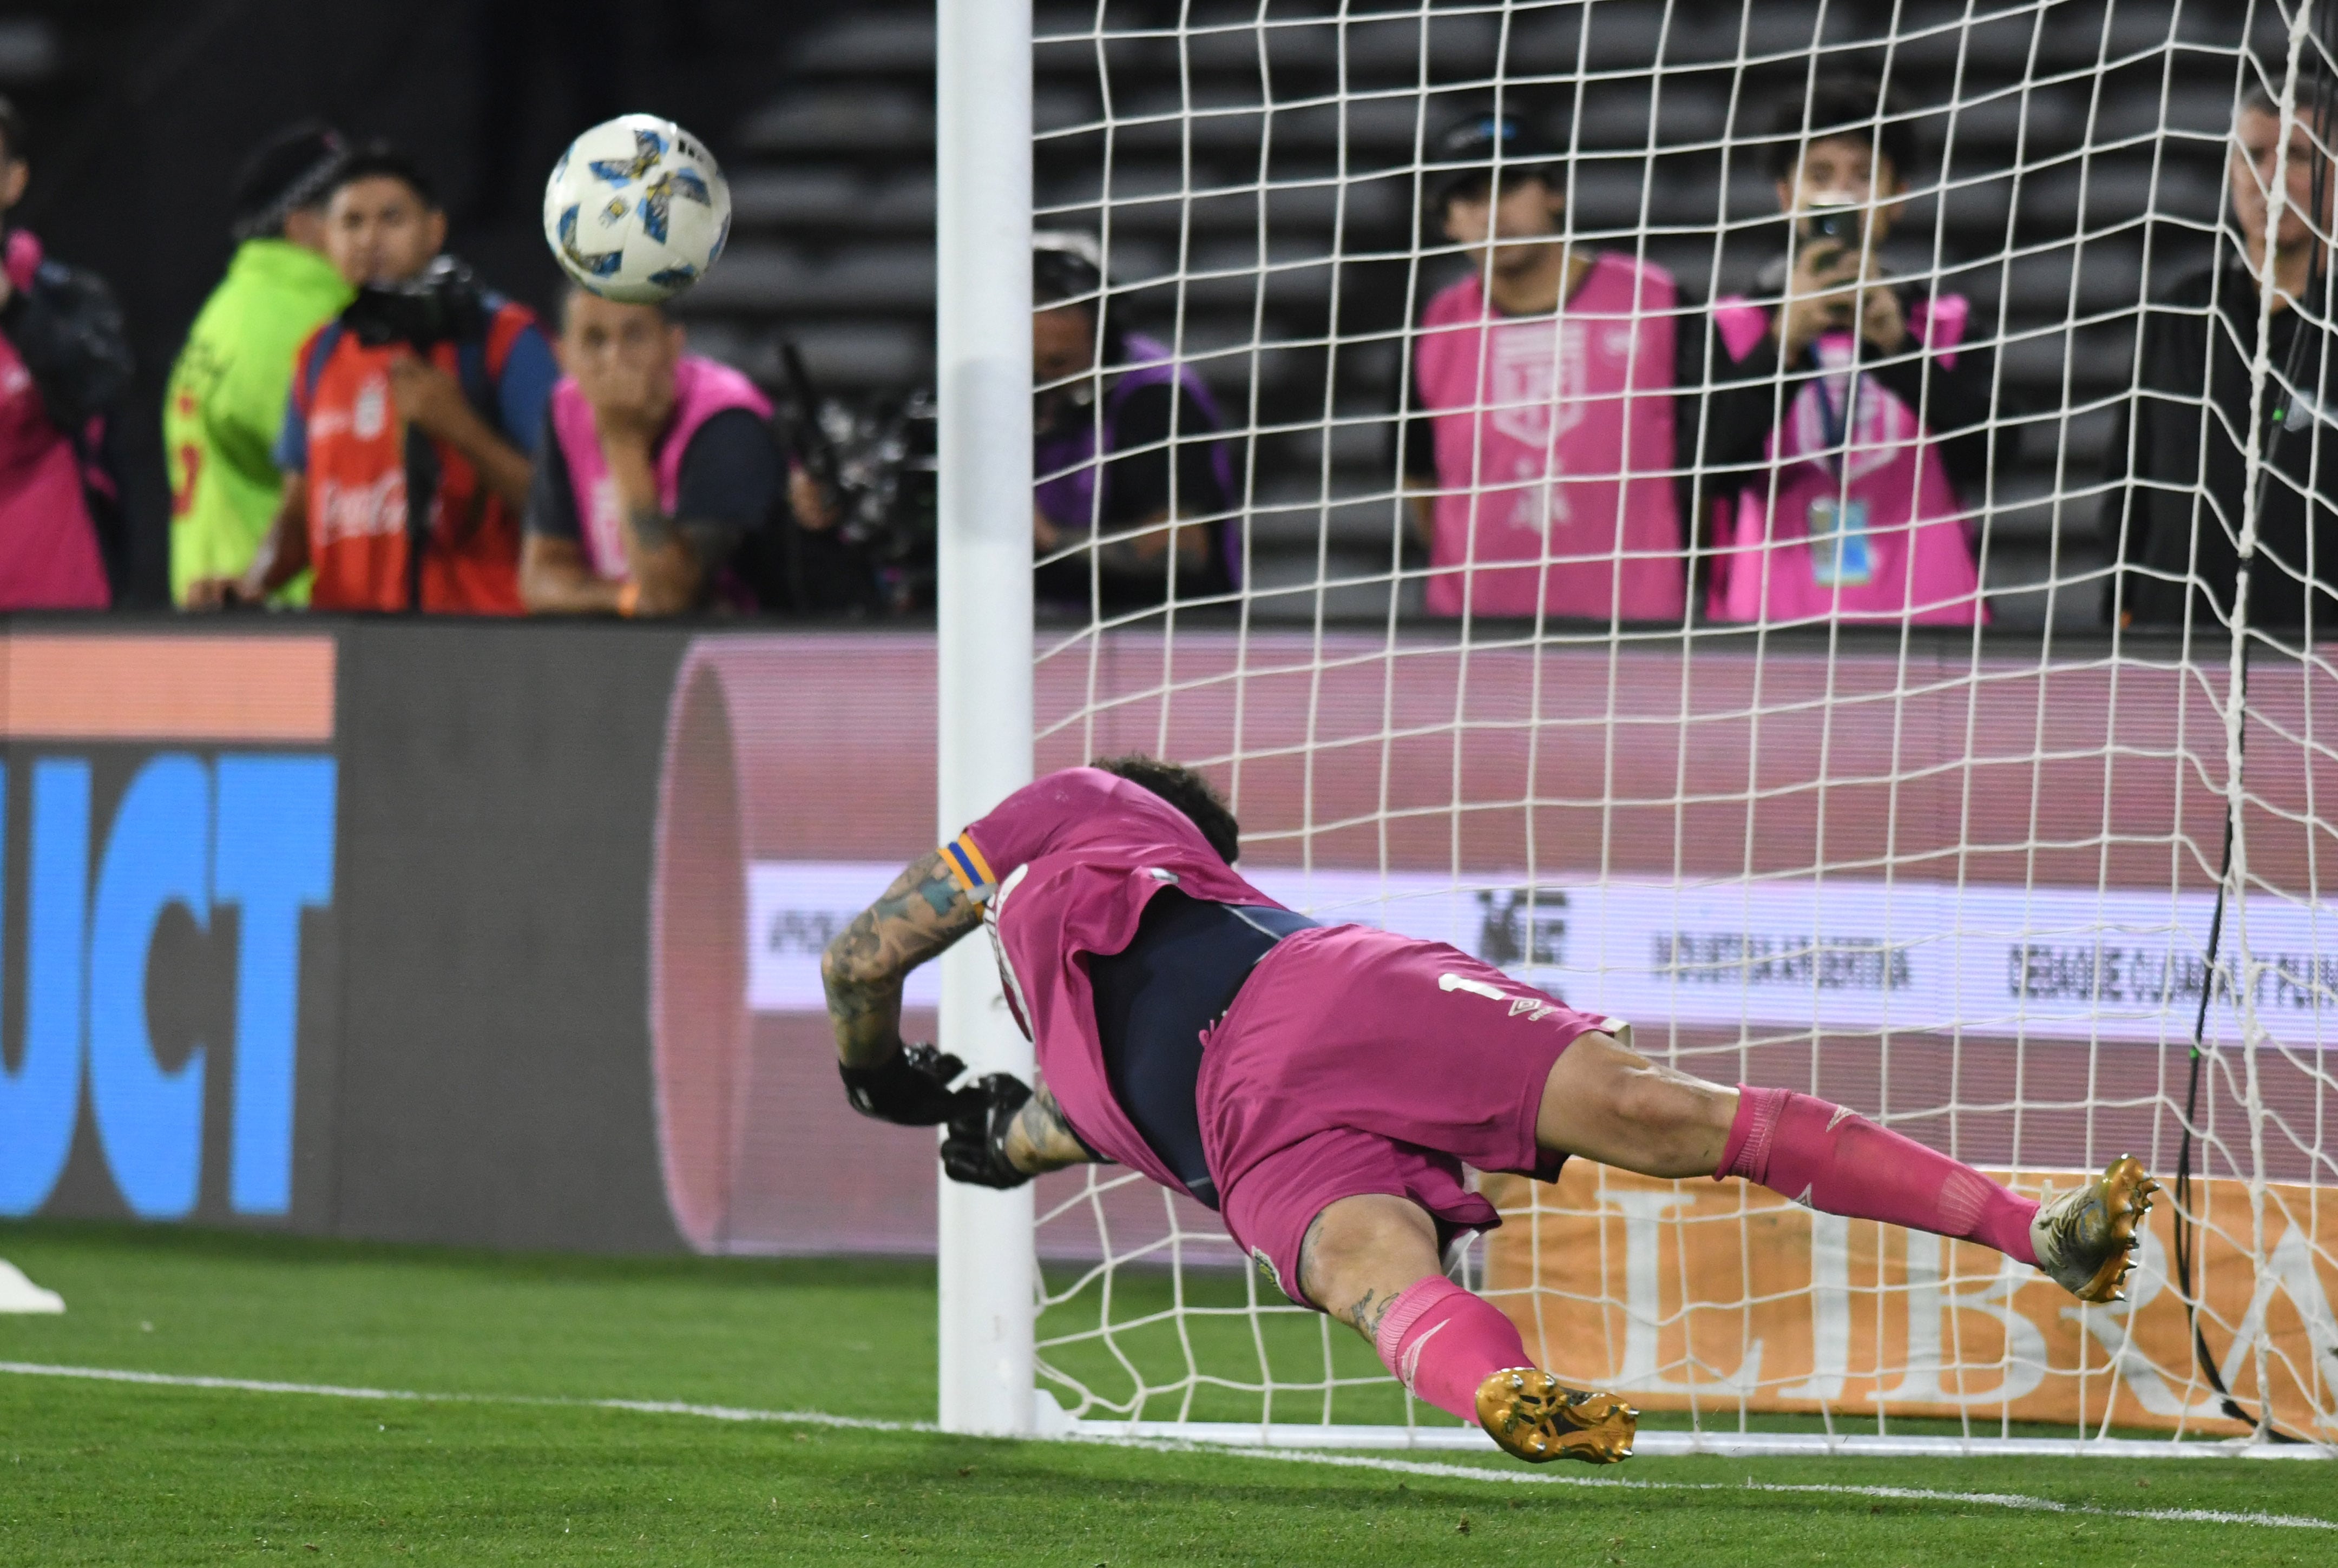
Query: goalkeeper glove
(912, 1089)
(975, 1150)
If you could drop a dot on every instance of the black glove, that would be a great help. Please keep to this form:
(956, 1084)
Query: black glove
(975, 1150)
(912, 1089)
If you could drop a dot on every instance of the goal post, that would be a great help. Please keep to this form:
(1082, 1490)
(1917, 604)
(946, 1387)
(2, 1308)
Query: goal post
(2035, 885)
(987, 1267)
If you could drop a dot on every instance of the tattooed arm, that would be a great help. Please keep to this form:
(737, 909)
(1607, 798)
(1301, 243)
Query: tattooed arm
(922, 913)
(664, 564)
(1000, 1133)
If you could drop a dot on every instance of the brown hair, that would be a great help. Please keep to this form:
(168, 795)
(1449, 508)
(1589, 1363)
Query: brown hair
(1186, 790)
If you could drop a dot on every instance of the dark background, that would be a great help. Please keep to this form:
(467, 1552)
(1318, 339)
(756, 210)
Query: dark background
(498, 789)
(140, 113)
(2104, 180)
(474, 1043)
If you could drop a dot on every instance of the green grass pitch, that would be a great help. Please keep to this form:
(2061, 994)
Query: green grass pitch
(524, 1471)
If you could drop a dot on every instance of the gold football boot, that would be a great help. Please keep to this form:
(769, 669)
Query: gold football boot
(1529, 1414)
(2086, 1238)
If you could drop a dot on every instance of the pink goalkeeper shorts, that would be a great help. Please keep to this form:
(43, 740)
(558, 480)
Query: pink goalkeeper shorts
(1355, 1061)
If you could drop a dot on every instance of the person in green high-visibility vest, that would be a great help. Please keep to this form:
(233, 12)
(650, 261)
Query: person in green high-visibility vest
(225, 402)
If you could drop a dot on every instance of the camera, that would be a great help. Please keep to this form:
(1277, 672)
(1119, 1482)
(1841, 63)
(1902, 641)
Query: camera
(873, 460)
(446, 303)
(1834, 222)
(884, 467)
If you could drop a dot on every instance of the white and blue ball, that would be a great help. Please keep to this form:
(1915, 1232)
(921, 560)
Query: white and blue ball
(636, 209)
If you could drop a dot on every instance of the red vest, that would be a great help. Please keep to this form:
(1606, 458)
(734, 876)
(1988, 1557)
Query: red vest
(357, 486)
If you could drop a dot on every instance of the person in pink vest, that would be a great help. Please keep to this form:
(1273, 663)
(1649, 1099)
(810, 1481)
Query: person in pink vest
(666, 465)
(1848, 507)
(64, 362)
(1537, 463)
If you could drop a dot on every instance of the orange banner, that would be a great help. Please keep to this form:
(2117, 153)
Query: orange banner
(249, 688)
(1716, 1295)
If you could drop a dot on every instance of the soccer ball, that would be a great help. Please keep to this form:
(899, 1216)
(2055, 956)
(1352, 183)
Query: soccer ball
(636, 210)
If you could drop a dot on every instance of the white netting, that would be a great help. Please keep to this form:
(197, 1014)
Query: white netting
(1958, 876)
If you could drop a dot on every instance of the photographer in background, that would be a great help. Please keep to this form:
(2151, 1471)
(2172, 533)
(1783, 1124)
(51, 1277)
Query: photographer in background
(1851, 406)
(408, 444)
(657, 464)
(64, 362)
(1123, 456)
(225, 403)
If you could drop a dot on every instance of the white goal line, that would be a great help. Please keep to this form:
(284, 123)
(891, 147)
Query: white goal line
(1305, 1446)
(1674, 1444)
(1285, 1442)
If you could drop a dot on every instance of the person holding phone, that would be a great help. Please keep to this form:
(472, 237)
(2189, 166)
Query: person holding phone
(1844, 421)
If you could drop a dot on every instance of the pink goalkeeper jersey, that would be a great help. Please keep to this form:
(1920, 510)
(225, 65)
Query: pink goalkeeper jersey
(1064, 867)
(1554, 438)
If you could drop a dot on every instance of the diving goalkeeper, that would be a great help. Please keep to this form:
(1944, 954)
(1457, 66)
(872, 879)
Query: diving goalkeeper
(1322, 1086)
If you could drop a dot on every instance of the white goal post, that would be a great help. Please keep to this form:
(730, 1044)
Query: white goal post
(2033, 881)
(983, 317)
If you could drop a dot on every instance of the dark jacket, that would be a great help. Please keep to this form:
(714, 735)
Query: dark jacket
(2175, 485)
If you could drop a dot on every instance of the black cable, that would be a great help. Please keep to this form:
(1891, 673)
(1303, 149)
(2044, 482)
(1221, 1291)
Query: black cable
(2184, 1252)
(2292, 369)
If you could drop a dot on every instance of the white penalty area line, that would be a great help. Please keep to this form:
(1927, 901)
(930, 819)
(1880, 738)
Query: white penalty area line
(2008, 1500)
(413, 1397)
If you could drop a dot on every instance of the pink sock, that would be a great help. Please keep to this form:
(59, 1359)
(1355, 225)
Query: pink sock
(1441, 1342)
(1824, 1158)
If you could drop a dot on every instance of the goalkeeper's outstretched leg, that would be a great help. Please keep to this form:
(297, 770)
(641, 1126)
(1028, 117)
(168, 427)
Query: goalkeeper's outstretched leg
(1606, 1103)
(1372, 1261)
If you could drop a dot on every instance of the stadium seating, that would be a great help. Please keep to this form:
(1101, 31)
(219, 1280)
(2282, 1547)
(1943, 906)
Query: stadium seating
(835, 208)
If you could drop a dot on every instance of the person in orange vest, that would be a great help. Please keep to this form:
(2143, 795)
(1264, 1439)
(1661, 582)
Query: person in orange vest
(410, 442)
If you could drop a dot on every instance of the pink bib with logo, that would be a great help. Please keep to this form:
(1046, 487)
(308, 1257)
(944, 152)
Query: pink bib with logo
(1863, 524)
(1553, 436)
(702, 389)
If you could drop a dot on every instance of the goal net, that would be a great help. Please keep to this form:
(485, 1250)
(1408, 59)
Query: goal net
(1951, 740)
